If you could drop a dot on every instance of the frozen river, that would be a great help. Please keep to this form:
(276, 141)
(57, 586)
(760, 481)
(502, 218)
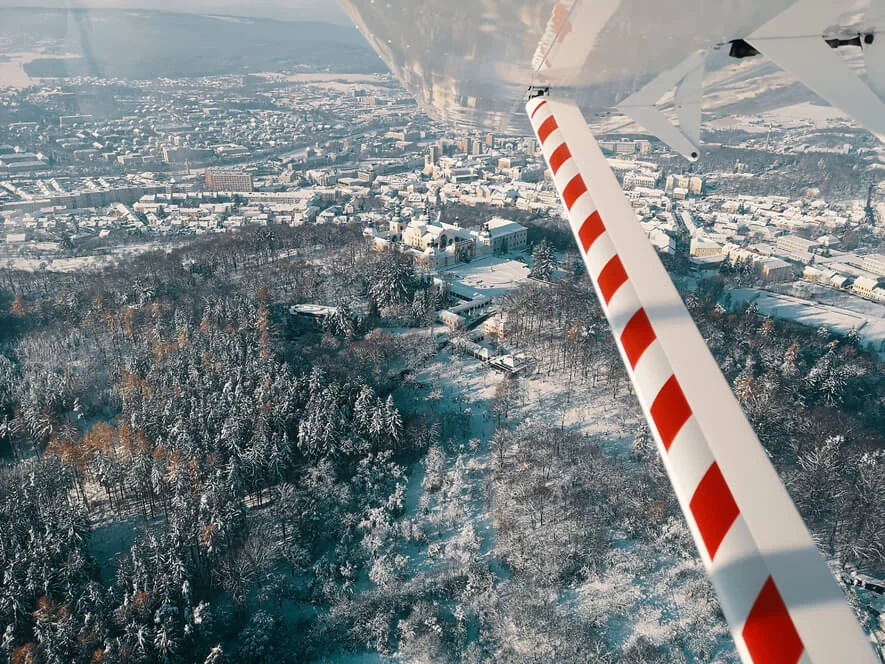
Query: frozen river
(12, 72)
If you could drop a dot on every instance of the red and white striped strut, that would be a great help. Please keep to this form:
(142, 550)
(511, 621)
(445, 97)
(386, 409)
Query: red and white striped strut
(779, 598)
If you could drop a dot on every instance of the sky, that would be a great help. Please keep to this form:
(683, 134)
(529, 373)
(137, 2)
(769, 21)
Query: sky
(293, 10)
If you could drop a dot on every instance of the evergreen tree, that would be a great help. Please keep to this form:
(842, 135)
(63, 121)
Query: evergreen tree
(392, 280)
(544, 262)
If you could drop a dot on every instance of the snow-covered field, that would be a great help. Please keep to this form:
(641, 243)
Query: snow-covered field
(96, 262)
(12, 72)
(748, 95)
(643, 596)
(837, 319)
(807, 290)
(491, 276)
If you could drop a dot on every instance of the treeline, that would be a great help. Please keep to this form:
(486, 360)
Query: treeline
(563, 328)
(256, 482)
(817, 402)
(167, 396)
(598, 549)
(597, 541)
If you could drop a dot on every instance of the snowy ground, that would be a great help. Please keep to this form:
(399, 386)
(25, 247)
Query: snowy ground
(12, 72)
(113, 256)
(802, 114)
(833, 297)
(649, 600)
(588, 409)
(459, 389)
(748, 95)
(491, 276)
(837, 319)
(110, 540)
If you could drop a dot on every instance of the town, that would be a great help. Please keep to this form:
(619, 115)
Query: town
(179, 158)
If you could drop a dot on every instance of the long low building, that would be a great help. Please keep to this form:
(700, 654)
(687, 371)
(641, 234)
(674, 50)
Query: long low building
(796, 244)
(813, 314)
(873, 289)
(218, 179)
(875, 263)
(85, 199)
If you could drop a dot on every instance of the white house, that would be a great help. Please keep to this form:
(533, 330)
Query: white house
(502, 235)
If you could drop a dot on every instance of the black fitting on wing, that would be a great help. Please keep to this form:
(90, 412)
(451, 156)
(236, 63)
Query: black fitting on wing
(859, 40)
(836, 43)
(741, 49)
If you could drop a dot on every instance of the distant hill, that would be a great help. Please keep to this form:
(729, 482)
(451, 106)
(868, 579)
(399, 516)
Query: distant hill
(327, 11)
(147, 44)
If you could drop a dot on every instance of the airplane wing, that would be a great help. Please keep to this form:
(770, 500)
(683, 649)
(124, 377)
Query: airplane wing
(470, 62)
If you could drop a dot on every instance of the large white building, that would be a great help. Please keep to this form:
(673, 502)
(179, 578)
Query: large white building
(825, 276)
(701, 248)
(420, 234)
(875, 263)
(440, 244)
(436, 244)
(869, 288)
(640, 179)
(798, 245)
(502, 235)
(774, 269)
(691, 184)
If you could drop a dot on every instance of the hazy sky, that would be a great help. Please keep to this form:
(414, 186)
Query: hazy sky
(305, 10)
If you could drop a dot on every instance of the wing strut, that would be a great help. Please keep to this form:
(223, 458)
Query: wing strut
(777, 593)
(687, 79)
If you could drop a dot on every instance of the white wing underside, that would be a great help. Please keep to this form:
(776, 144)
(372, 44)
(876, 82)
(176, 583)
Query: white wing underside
(470, 62)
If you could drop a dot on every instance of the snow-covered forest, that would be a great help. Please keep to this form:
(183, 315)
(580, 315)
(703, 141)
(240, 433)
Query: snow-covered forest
(191, 475)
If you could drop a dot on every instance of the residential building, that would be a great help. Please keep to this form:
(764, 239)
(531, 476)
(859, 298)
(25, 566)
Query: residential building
(228, 180)
(865, 286)
(701, 248)
(797, 245)
(662, 241)
(875, 263)
(829, 241)
(503, 235)
(497, 328)
(691, 184)
(774, 269)
(640, 179)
